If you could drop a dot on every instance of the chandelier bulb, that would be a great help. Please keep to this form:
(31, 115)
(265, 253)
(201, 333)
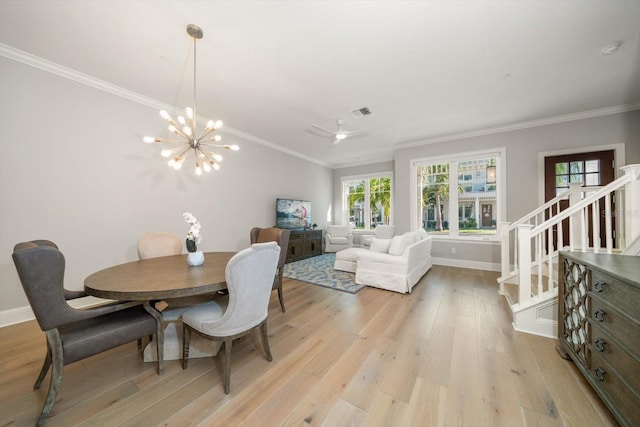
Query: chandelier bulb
(234, 147)
(187, 131)
(206, 167)
(218, 124)
(216, 166)
(149, 139)
(181, 120)
(217, 157)
(166, 153)
(198, 170)
(210, 124)
(189, 112)
(165, 115)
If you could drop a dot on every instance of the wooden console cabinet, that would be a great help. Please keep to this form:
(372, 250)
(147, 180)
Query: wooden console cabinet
(599, 326)
(304, 244)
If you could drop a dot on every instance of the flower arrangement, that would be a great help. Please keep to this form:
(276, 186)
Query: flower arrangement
(193, 236)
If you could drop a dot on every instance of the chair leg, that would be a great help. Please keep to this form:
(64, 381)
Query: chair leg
(186, 341)
(45, 368)
(265, 340)
(57, 364)
(159, 334)
(227, 365)
(281, 298)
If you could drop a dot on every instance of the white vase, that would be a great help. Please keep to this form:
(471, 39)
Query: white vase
(195, 258)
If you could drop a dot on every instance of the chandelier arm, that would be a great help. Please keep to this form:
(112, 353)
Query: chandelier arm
(180, 156)
(206, 131)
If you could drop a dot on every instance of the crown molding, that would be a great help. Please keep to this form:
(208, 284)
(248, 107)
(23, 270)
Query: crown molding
(87, 80)
(522, 125)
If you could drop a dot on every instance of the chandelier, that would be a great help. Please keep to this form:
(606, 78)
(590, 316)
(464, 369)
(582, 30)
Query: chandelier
(186, 129)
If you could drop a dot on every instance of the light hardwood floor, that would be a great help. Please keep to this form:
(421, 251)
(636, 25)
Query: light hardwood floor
(444, 355)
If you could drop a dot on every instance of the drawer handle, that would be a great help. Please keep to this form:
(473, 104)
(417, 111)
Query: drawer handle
(599, 344)
(598, 286)
(599, 373)
(599, 315)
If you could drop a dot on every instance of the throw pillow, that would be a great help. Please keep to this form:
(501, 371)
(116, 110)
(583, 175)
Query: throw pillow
(399, 244)
(379, 245)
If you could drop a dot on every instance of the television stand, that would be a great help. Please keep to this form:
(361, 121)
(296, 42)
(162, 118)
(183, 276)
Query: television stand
(304, 244)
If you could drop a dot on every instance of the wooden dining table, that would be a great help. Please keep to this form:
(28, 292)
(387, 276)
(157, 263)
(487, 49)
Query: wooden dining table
(157, 279)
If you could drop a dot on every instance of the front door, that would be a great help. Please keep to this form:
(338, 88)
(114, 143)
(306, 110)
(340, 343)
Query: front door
(487, 215)
(592, 170)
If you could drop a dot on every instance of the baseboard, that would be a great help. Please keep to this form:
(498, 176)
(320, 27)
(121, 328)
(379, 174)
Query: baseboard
(464, 263)
(16, 315)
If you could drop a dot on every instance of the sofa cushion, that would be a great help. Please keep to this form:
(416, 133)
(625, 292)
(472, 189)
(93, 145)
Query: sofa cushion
(399, 244)
(380, 245)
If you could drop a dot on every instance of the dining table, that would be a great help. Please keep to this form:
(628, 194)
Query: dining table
(157, 279)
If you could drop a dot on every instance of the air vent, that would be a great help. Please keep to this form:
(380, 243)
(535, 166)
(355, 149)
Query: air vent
(359, 112)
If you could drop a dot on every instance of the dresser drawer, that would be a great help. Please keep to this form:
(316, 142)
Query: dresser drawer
(624, 402)
(609, 319)
(621, 295)
(608, 350)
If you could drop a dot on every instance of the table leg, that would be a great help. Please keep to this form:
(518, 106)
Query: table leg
(159, 333)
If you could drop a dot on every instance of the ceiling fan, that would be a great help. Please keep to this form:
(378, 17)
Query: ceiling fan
(340, 135)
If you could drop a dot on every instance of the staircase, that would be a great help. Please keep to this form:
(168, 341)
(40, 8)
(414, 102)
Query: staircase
(530, 245)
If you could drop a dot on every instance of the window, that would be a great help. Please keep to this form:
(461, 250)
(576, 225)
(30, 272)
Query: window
(368, 200)
(586, 172)
(466, 188)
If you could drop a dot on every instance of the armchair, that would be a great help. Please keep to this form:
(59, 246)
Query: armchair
(72, 335)
(337, 238)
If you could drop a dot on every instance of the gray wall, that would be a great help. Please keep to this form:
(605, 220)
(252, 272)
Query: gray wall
(73, 169)
(523, 180)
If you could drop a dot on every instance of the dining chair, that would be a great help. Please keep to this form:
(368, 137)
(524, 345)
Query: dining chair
(249, 279)
(281, 237)
(71, 334)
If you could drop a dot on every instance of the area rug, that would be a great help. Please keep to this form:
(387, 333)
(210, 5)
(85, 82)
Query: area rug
(319, 271)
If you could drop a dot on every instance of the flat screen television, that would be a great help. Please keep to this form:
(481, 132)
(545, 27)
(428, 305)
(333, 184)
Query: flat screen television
(292, 213)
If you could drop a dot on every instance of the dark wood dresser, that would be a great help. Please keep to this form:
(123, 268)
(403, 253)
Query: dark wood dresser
(304, 244)
(599, 326)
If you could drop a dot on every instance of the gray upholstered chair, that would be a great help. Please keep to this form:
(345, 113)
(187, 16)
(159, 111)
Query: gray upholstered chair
(337, 238)
(249, 275)
(281, 237)
(71, 334)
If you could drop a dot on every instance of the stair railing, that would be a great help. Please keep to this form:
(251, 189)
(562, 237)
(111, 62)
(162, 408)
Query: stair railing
(534, 241)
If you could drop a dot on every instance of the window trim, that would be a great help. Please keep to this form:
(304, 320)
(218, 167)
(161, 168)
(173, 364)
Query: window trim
(367, 197)
(499, 153)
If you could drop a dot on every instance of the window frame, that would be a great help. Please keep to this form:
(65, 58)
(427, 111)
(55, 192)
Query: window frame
(367, 196)
(453, 203)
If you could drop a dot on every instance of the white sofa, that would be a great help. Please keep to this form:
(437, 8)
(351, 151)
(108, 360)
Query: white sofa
(338, 237)
(395, 264)
(382, 231)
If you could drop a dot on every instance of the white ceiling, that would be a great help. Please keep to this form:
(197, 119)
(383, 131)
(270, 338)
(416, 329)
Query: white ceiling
(429, 70)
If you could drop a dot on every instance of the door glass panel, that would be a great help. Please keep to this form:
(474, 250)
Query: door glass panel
(576, 178)
(562, 168)
(562, 180)
(576, 167)
(592, 179)
(592, 166)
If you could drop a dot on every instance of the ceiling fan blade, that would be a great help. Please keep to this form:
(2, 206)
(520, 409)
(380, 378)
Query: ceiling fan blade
(323, 129)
